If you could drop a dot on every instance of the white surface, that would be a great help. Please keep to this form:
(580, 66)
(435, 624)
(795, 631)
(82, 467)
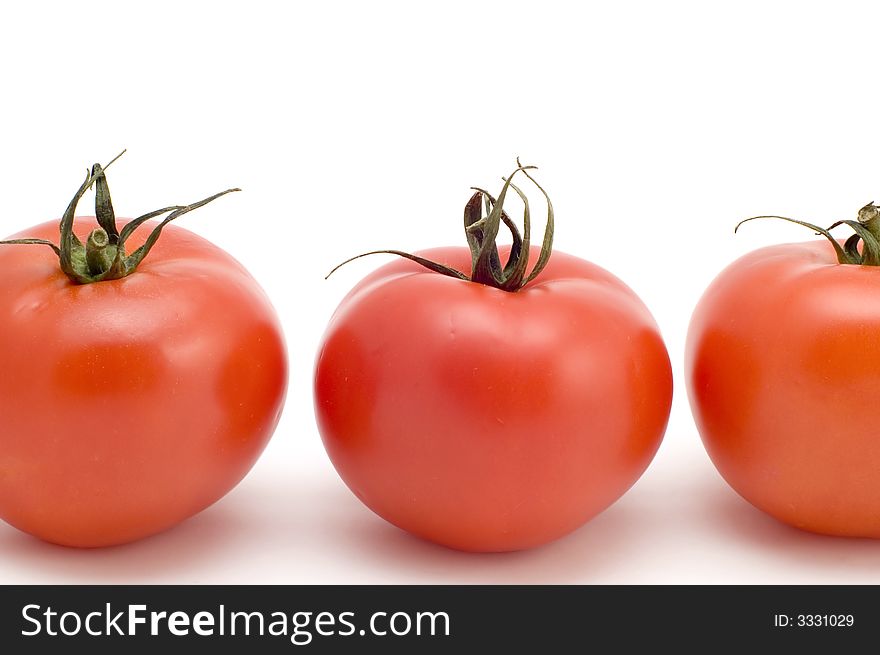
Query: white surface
(353, 126)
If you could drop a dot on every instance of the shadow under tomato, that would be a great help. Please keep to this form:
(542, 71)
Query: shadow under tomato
(172, 556)
(826, 559)
(398, 557)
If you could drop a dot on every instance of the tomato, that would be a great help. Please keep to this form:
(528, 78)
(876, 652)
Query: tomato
(490, 420)
(783, 371)
(130, 404)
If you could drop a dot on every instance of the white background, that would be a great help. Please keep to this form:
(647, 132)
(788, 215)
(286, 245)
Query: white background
(353, 126)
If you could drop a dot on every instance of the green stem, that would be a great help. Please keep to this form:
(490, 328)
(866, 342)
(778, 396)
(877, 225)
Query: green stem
(98, 255)
(869, 216)
(104, 206)
(481, 233)
(866, 228)
(103, 256)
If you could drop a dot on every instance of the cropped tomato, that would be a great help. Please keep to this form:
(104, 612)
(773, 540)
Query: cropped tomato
(486, 419)
(783, 368)
(129, 404)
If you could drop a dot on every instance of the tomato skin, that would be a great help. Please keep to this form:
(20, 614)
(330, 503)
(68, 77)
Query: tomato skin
(783, 368)
(132, 404)
(486, 420)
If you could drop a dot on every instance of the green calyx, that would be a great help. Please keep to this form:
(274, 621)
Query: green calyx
(103, 256)
(481, 232)
(866, 228)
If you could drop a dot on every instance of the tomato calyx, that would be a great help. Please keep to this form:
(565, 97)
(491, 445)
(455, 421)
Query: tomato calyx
(866, 228)
(481, 232)
(102, 256)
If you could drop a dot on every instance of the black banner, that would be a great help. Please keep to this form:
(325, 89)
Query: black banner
(287, 619)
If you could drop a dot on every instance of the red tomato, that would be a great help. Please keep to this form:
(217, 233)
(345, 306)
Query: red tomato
(489, 420)
(129, 405)
(783, 367)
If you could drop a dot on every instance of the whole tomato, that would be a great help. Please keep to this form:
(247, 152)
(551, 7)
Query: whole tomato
(496, 411)
(783, 372)
(136, 390)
